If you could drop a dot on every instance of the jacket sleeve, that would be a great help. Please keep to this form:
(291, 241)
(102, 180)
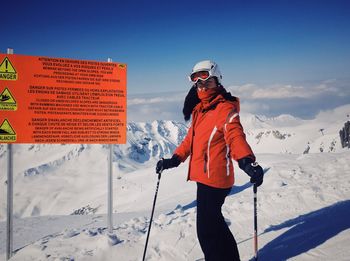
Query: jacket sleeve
(234, 134)
(184, 149)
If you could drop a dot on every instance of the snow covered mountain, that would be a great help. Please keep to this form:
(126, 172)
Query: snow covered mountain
(73, 167)
(148, 142)
(306, 167)
(287, 134)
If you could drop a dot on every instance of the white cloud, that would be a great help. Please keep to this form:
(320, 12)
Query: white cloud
(303, 100)
(155, 100)
(165, 106)
(254, 107)
(337, 113)
(280, 91)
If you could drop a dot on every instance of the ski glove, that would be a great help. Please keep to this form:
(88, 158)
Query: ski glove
(253, 169)
(163, 164)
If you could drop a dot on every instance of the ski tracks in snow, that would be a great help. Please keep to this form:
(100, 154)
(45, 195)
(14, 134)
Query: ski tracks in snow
(302, 210)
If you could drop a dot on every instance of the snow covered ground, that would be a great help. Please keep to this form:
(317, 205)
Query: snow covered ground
(303, 205)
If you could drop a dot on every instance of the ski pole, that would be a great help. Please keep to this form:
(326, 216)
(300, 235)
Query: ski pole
(150, 222)
(255, 190)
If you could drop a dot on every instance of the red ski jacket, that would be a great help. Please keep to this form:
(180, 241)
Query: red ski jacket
(215, 138)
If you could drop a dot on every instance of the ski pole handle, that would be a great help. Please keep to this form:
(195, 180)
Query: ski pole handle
(160, 174)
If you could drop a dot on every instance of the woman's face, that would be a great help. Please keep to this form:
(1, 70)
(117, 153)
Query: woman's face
(208, 84)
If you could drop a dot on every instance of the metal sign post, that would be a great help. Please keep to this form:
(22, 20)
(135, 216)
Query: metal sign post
(9, 223)
(110, 190)
(110, 185)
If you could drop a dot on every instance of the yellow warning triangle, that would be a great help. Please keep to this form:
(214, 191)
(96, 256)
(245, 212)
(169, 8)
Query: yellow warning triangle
(7, 67)
(6, 128)
(6, 97)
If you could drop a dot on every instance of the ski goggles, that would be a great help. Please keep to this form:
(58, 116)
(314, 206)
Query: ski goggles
(201, 75)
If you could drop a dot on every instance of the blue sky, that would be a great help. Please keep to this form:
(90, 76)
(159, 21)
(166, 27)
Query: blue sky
(261, 43)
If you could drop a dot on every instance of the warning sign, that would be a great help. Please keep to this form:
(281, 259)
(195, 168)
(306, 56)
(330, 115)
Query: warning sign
(7, 71)
(59, 100)
(7, 134)
(7, 101)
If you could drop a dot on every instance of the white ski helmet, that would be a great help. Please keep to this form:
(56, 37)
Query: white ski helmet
(206, 66)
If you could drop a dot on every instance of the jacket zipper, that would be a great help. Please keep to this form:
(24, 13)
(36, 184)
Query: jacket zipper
(205, 162)
(207, 154)
(194, 119)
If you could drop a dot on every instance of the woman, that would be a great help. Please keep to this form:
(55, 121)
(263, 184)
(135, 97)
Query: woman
(215, 138)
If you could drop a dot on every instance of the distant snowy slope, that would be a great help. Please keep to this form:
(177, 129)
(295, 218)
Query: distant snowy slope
(148, 142)
(251, 121)
(286, 134)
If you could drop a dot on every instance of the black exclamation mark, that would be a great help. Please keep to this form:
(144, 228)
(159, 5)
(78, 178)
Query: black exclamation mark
(6, 65)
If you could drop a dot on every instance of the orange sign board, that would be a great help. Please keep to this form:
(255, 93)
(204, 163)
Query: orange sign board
(59, 100)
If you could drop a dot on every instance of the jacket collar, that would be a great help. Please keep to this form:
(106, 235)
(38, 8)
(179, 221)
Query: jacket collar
(204, 107)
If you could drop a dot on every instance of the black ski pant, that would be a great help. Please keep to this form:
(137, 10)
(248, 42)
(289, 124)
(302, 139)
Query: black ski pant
(215, 237)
